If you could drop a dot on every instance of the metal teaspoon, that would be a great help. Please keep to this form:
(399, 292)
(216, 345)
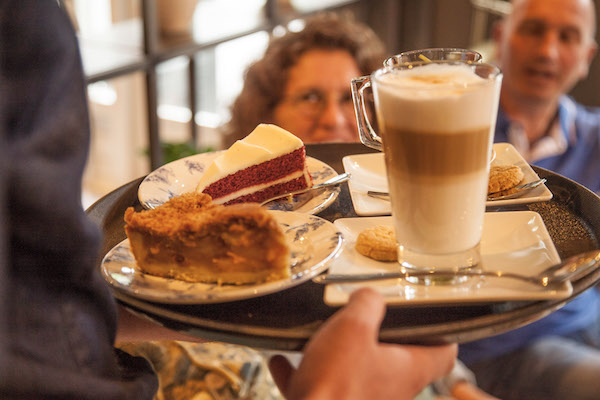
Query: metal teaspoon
(288, 196)
(509, 193)
(571, 268)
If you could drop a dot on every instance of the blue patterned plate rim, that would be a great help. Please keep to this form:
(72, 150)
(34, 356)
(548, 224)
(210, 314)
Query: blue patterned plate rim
(181, 176)
(314, 243)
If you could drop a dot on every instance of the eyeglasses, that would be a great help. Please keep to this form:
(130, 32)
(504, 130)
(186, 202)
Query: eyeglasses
(313, 102)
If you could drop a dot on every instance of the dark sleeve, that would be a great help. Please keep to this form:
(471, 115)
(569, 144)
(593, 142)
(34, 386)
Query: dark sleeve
(57, 317)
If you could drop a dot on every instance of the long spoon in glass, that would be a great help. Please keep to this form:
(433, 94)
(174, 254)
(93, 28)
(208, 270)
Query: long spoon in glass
(517, 191)
(572, 268)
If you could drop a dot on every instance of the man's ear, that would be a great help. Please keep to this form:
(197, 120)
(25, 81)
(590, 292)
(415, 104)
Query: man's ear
(591, 53)
(497, 35)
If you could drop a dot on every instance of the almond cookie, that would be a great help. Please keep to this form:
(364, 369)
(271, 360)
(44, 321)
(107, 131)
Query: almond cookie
(503, 177)
(378, 243)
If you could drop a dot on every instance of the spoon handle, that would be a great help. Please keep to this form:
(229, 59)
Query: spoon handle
(352, 278)
(511, 193)
(570, 269)
(333, 181)
(330, 182)
(516, 191)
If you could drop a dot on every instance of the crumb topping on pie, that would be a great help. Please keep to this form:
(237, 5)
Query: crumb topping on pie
(192, 239)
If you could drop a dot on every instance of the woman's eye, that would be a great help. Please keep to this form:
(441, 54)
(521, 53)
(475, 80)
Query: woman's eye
(311, 97)
(346, 98)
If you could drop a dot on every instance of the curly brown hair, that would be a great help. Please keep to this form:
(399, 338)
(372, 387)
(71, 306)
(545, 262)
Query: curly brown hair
(266, 79)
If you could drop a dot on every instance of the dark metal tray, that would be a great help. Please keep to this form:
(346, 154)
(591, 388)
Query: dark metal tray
(287, 319)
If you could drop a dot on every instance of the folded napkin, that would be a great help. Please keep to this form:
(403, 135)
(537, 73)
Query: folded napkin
(206, 371)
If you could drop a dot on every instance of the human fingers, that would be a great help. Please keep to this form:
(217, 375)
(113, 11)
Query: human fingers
(362, 316)
(437, 360)
(366, 299)
(466, 391)
(349, 332)
(336, 359)
(282, 372)
(342, 340)
(345, 356)
(433, 362)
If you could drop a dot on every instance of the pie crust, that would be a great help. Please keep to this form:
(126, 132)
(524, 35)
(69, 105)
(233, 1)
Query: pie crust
(192, 239)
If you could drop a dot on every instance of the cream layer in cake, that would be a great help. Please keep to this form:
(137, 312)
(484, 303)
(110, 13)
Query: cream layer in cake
(268, 162)
(302, 176)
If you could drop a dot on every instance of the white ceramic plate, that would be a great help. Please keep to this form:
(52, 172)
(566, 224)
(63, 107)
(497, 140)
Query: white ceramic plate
(512, 241)
(314, 242)
(182, 176)
(368, 173)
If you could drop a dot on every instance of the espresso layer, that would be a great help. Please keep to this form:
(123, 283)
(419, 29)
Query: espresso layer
(434, 154)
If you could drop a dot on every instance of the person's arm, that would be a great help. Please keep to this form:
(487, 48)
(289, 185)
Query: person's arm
(344, 360)
(464, 390)
(133, 328)
(460, 384)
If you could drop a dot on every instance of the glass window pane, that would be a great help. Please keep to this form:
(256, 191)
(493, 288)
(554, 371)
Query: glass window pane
(220, 78)
(215, 19)
(231, 60)
(314, 5)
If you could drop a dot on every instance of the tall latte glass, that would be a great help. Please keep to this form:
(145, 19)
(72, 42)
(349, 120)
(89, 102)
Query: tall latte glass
(436, 121)
(438, 53)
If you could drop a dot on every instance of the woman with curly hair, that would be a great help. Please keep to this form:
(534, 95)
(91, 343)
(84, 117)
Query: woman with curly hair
(302, 83)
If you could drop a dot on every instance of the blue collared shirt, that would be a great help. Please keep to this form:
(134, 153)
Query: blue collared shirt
(571, 149)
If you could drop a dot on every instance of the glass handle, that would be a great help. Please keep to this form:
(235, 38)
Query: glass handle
(367, 135)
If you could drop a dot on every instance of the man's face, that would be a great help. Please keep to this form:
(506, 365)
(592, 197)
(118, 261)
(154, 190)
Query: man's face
(545, 47)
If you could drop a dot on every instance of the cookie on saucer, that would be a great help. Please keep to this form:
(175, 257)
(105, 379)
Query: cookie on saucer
(378, 243)
(504, 177)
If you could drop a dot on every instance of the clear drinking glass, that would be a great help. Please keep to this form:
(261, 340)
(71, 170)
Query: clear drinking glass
(436, 121)
(439, 53)
(432, 54)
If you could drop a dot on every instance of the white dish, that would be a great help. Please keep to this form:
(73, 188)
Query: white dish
(512, 241)
(368, 173)
(182, 176)
(314, 242)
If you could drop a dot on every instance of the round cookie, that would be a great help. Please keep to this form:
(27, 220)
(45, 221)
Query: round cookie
(378, 243)
(503, 177)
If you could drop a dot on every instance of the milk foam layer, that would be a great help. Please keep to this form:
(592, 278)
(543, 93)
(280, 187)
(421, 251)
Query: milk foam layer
(435, 97)
(436, 123)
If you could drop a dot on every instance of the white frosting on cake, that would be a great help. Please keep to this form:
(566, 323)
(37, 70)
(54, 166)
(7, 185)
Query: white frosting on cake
(264, 143)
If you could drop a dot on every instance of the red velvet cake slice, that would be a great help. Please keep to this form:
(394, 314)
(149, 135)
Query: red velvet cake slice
(267, 162)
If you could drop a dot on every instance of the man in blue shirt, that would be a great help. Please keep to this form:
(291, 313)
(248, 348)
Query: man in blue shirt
(544, 48)
(571, 146)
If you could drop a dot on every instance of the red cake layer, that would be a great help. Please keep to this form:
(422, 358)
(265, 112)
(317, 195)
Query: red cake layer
(271, 191)
(263, 173)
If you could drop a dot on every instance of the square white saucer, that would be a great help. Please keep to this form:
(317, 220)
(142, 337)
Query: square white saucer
(368, 173)
(512, 241)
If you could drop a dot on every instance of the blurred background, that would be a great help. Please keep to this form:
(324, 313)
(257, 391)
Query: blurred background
(162, 73)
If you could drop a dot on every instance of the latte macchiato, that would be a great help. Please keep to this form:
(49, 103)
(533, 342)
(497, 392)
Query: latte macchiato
(436, 122)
